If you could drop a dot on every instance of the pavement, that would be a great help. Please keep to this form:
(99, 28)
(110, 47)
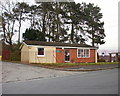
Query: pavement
(86, 68)
(12, 72)
(93, 67)
(93, 82)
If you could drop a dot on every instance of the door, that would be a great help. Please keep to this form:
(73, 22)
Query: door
(67, 55)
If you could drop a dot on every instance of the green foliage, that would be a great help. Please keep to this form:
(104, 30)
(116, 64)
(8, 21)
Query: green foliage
(72, 64)
(20, 10)
(32, 34)
(56, 22)
(95, 27)
(16, 56)
(101, 60)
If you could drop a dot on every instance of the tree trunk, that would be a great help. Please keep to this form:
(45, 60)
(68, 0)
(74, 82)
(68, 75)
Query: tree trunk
(49, 34)
(72, 33)
(93, 42)
(19, 28)
(53, 32)
(19, 33)
(57, 35)
(43, 27)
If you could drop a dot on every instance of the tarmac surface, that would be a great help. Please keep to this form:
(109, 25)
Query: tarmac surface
(12, 72)
(94, 82)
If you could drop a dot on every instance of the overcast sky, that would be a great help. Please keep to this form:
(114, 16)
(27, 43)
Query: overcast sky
(109, 8)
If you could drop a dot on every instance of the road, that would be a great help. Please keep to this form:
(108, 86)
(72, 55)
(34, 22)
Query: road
(97, 82)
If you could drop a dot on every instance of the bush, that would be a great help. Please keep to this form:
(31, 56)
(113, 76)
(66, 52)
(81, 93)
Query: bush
(101, 60)
(16, 56)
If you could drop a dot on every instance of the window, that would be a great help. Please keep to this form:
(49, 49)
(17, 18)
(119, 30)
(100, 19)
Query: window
(80, 53)
(41, 51)
(83, 53)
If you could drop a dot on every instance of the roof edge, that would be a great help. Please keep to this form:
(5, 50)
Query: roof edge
(64, 46)
(58, 44)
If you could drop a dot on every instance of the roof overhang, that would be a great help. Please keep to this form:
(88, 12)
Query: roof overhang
(58, 46)
(76, 47)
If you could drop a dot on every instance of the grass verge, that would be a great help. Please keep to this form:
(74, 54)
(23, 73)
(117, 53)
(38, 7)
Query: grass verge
(72, 64)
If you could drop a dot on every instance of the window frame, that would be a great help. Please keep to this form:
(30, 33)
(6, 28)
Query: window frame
(83, 52)
(41, 55)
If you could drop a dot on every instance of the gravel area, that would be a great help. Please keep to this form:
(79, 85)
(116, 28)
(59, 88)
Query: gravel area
(12, 72)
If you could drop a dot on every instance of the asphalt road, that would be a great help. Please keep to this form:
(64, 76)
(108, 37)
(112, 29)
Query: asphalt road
(97, 82)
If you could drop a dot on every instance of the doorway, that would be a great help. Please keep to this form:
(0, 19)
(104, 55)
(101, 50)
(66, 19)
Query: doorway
(67, 55)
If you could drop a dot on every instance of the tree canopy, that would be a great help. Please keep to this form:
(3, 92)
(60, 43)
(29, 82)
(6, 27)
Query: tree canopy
(32, 34)
(55, 22)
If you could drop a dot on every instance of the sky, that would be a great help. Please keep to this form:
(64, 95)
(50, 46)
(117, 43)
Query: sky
(109, 8)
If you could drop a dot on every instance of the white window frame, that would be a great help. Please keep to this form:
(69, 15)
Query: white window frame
(40, 55)
(83, 52)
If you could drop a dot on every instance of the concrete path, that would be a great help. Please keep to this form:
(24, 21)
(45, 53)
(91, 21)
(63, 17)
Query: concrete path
(12, 72)
(92, 67)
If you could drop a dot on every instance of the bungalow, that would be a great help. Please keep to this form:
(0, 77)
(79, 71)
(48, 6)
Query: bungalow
(56, 52)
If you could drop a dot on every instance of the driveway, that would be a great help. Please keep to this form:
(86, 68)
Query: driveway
(12, 72)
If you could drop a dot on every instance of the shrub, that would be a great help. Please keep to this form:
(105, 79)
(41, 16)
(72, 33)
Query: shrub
(16, 53)
(101, 60)
(16, 56)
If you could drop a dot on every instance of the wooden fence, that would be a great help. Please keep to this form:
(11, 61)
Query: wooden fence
(6, 54)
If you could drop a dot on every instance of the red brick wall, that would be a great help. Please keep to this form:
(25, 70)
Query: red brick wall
(59, 56)
(73, 56)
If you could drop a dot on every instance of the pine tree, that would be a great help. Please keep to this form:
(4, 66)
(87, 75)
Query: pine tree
(95, 28)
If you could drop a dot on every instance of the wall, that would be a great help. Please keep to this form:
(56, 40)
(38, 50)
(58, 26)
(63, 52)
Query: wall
(60, 55)
(73, 56)
(50, 54)
(53, 55)
(25, 54)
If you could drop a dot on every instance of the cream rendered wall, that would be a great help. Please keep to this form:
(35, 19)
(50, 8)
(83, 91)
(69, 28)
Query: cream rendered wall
(50, 54)
(25, 54)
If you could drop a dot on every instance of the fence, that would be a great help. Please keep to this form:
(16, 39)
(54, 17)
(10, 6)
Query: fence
(6, 54)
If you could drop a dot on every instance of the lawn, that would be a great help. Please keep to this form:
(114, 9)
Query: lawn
(65, 65)
(59, 65)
